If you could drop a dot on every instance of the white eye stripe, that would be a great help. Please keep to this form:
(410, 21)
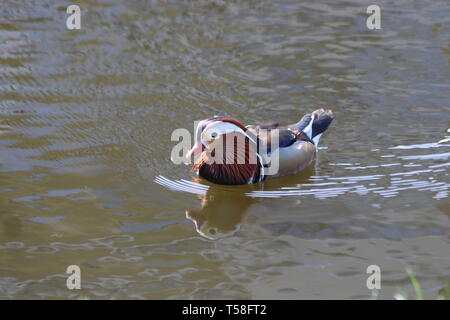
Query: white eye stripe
(225, 127)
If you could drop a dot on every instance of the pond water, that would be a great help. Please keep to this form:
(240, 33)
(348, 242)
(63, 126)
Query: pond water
(86, 179)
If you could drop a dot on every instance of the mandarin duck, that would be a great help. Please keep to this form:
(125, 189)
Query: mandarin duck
(219, 157)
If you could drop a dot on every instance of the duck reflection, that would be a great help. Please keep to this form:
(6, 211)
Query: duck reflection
(221, 213)
(223, 208)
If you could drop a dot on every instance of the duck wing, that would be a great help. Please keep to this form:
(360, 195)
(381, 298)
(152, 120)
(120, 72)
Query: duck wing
(265, 136)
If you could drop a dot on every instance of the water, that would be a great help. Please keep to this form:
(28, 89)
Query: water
(86, 178)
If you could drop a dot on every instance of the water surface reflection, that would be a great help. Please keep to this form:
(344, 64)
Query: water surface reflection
(86, 119)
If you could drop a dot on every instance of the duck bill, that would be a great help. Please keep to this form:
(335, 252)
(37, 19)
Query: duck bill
(197, 149)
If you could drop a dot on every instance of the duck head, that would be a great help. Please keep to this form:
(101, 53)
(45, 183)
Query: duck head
(227, 152)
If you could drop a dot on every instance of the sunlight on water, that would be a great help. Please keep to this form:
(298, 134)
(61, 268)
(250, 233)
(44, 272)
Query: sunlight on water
(386, 185)
(182, 185)
(86, 119)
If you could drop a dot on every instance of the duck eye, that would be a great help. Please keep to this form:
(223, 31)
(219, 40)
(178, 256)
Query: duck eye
(214, 135)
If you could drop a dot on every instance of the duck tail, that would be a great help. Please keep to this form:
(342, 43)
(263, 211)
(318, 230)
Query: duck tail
(315, 123)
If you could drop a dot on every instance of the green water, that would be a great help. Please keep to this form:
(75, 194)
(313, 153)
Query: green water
(86, 179)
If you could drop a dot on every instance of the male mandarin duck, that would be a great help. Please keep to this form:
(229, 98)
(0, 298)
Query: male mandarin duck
(234, 163)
